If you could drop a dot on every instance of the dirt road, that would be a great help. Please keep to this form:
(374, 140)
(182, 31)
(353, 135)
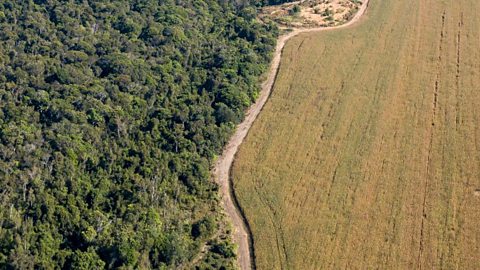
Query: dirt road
(242, 235)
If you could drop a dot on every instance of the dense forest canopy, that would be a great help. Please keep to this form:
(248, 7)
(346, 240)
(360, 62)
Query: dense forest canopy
(111, 115)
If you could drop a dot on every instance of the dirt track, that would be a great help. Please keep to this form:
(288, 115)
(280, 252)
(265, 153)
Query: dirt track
(242, 235)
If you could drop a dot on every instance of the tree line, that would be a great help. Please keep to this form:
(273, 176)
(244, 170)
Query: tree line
(111, 115)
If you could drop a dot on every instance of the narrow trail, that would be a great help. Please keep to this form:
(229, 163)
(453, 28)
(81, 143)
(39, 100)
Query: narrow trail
(221, 172)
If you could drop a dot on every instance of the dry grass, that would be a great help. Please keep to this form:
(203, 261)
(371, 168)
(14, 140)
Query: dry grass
(367, 155)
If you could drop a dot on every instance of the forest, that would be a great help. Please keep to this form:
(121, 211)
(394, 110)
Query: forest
(111, 116)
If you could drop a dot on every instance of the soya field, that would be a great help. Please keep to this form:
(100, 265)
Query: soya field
(367, 154)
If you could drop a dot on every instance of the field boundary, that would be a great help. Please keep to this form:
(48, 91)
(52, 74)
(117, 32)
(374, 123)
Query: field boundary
(222, 174)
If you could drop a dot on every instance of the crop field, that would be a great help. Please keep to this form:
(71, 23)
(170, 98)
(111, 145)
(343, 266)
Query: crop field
(367, 155)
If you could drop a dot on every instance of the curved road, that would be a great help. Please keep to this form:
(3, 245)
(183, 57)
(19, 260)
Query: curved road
(242, 235)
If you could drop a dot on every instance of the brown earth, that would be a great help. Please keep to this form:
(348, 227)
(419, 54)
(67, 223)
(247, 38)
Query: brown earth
(313, 13)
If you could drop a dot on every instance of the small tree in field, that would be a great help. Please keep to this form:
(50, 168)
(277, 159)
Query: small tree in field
(295, 10)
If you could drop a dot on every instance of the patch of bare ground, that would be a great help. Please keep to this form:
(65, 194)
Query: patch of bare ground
(311, 13)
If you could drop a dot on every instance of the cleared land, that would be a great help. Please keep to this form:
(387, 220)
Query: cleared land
(367, 154)
(311, 13)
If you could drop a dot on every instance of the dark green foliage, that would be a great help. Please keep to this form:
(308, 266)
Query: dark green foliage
(271, 2)
(224, 249)
(111, 113)
(204, 228)
(296, 9)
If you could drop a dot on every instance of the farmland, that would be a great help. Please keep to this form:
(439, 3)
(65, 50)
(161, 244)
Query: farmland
(367, 153)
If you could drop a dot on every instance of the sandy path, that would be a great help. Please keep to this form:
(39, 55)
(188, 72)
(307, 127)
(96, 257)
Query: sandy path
(222, 167)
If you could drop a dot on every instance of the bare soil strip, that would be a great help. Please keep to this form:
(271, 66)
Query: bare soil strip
(242, 235)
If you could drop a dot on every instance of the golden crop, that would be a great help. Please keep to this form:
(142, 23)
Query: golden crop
(367, 155)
